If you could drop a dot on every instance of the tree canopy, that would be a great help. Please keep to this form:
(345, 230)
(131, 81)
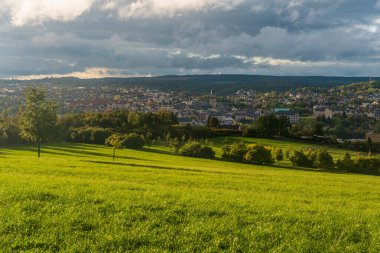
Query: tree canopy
(38, 117)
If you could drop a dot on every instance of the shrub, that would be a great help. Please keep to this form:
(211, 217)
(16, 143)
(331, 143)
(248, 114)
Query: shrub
(258, 154)
(279, 155)
(250, 131)
(367, 165)
(362, 165)
(99, 135)
(346, 164)
(235, 152)
(300, 159)
(133, 141)
(324, 160)
(195, 149)
(206, 152)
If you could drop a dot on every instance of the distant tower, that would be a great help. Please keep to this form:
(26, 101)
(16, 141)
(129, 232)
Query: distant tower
(370, 79)
(212, 100)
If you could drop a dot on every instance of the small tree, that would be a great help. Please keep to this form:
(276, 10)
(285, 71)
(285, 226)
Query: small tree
(279, 155)
(115, 142)
(168, 138)
(287, 154)
(176, 144)
(38, 117)
(325, 160)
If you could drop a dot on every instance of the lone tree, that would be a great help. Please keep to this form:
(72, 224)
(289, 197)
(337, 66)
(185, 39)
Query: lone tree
(38, 117)
(114, 141)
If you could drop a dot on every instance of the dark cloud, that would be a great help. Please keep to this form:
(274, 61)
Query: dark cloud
(284, 37)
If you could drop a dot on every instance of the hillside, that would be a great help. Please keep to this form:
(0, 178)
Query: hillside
(225, 84)
(76, 199)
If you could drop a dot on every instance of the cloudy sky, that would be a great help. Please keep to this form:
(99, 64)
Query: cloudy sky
(95, 38)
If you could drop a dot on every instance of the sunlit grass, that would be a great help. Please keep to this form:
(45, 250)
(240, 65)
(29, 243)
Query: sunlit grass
(76, 199)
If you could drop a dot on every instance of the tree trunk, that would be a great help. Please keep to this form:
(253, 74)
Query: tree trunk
(39, 149)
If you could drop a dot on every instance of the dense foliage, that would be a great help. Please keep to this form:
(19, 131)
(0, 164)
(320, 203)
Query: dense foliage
(132, 141)
(251, 153)
(258, 154)
(196, 149)
(268, 126)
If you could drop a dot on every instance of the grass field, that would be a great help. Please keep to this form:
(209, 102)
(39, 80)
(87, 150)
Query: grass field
(76, 199)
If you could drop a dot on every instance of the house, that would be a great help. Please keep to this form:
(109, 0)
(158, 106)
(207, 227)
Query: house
(293, 116)
(225, 120)
(322, 111)
(188, 121)
(376, 114)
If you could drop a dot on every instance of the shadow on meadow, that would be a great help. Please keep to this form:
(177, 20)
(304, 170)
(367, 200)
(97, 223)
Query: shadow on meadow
(80, 152)
(158, 167)
(157, 151)
(87, 150)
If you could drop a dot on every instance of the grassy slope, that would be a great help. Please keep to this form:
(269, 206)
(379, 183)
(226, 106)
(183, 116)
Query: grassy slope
(75, 198)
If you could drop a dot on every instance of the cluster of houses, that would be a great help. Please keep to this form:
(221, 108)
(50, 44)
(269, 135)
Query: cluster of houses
(197, 113)
(242, 107)
(328, 113)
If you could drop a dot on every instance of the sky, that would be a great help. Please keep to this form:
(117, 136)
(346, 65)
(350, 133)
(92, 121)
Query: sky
(95, 38)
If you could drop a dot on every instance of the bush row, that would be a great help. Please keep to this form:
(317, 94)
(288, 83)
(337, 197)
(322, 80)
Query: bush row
(364, 165)
(251, 153)
(322, 159)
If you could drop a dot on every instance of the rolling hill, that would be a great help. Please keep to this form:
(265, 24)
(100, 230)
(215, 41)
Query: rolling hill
(76, 199)
(201, 84)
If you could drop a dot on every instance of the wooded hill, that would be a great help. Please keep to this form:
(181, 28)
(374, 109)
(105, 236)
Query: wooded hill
(200, 84)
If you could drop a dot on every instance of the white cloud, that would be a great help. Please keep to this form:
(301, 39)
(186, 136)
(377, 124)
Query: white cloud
(88, 73)
(170, 8)
(377, 4)
(25, 12)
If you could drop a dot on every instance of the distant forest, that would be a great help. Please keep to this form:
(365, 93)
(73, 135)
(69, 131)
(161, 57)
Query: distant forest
(201, 84)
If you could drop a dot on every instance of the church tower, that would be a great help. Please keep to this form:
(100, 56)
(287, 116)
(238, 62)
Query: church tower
(212, 100)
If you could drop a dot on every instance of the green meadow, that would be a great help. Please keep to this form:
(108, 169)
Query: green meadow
(76, 199)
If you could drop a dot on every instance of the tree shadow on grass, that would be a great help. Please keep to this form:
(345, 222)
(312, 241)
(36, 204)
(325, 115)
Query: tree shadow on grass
(319, 170)
(83, 153)
(158, 167)
(152, 150)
